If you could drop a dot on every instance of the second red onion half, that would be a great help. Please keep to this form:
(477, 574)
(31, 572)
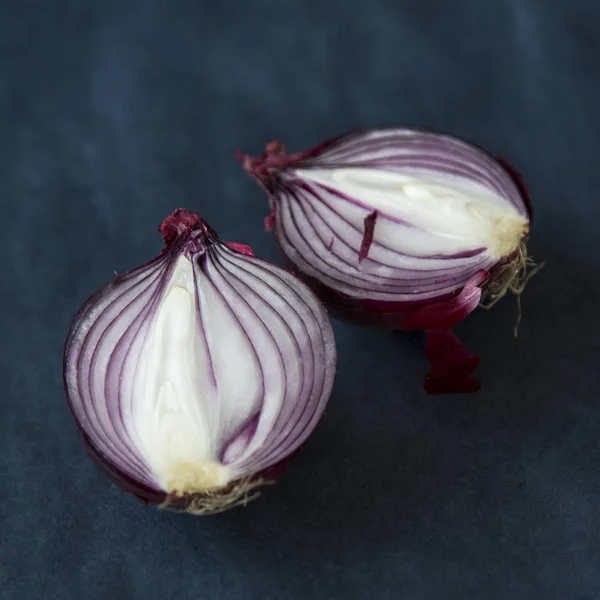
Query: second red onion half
(401, 228)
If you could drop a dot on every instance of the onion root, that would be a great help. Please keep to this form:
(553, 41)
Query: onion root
(212, 502)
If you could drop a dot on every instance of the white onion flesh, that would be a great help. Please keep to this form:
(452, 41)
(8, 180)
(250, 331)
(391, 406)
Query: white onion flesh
(444, 214)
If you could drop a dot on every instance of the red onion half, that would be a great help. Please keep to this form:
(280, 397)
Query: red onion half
(194, 377)
(401, 228)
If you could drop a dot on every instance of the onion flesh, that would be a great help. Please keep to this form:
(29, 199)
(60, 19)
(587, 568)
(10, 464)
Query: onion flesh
(399, 228)
(191, 376)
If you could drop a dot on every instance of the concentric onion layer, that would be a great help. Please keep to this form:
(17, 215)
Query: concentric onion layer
(199, 369)
(443, 211)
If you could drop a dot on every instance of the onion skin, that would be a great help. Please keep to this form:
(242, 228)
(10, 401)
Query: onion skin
(146, 495)
(275, 171)
(418, 316)
(178, 230)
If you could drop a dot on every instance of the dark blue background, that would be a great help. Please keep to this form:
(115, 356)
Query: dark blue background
(113, 113)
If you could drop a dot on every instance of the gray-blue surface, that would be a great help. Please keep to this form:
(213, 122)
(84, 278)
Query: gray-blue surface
(113, 113)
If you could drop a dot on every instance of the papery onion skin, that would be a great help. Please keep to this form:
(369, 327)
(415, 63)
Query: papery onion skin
(304, 210)
(183, 233)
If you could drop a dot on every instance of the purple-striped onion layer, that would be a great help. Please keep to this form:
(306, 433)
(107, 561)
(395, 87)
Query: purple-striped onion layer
(196, 374)
(399, 228)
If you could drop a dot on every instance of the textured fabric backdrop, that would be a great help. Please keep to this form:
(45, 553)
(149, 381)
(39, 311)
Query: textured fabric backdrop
(113, 113)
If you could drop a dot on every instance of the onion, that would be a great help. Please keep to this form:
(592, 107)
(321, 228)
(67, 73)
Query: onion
(401, 228)
(195, 377)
